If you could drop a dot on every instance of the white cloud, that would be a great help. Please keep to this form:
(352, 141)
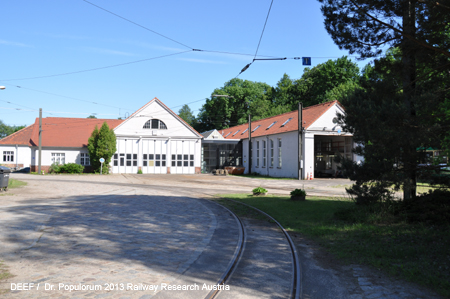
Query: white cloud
(10, 43)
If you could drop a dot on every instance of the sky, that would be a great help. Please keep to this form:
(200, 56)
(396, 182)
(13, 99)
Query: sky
(73, 58)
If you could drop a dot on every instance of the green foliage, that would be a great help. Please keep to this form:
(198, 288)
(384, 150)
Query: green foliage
(92, 116)
(259, 190)
(66, 168)
(6, 130)
(139, 171)
(298, 192)
(55, 168)
(71, 168)
(101, 144)
(186, 114)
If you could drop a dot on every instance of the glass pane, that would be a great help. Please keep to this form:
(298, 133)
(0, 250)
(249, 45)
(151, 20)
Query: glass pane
(163, 163)
(192, 163)
(186, 157)
(122, 161)
(134, 156)
(155, 123)
(115, 163)
(157, 163)
(115, 156)
(144, 163)
(173, 158)
(158, 157)
(128, 156)
(192, 157)
(186, 163)
(179, 157)
(128, 162)
(145, 156)
(150, 157)
(179, 163)
(164, 157)
(135, 163)
(173, 163)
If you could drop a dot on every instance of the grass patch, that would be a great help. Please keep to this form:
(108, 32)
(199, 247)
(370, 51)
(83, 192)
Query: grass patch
(415, 252)
(12, 183)
(4, 274)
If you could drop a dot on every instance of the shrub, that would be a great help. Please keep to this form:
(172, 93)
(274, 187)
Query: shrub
(139, 171)
(72, 168)
(430, 208)
(259, 190)
(298, 192)
(365, 194)
(54, 168)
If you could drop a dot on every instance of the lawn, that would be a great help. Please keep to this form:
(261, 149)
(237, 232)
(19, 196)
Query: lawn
(415, 252)
(12, 183)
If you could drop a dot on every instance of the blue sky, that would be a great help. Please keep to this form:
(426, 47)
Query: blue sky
(50, 37)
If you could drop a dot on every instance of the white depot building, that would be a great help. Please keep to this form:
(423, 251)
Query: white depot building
(153, 139)
(277, 143)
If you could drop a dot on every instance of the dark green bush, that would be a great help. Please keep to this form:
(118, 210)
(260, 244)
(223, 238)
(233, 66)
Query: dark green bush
(431, 208)
(298, 192)
(71, 168)
(54, 168)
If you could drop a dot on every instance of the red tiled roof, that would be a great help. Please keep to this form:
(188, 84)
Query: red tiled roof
(310, 115)
(21, 137)
(68, 132)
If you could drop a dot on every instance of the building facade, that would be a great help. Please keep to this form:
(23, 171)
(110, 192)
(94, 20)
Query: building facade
(153, 139)
(280, 149)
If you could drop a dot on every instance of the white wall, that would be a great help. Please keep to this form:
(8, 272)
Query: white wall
(289, 155)
(134, 126)
(71, 155)
(22, 155)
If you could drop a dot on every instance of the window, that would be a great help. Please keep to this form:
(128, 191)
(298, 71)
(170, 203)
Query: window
(264, 153)
(85, 159)
(279, 153)
(256, 128)
(8, 156)
(257, 153)
(271, 125)
(59, 158)
(183, 160)
(227, 135)
(271, 153)
(131, 160)
(285, 123)
(244, 131)
(155, 124)
(236, 132)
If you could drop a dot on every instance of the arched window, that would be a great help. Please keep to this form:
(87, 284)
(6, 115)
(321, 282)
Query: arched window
(155, 124)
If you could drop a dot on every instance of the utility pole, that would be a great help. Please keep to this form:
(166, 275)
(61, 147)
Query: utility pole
(300, 141)
(40, 141)
(249, 143)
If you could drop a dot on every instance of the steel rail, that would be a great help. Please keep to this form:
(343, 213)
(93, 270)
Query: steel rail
(296, 287)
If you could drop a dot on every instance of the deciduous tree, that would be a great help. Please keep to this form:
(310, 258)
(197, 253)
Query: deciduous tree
(101, 144)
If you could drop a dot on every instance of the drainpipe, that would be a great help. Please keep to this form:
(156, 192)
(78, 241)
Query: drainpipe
(17, 154)
(267, 155)
(300, 137)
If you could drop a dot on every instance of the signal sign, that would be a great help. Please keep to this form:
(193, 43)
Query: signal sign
(306, 60)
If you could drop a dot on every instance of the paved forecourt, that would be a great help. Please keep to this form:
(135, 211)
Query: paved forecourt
(91, 237)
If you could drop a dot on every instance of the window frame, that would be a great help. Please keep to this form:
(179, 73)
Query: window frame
(8, 156)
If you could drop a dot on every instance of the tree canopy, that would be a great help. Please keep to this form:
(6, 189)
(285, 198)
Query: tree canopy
(186, 114)
(6, 130)
(101, 144)
(401, 107)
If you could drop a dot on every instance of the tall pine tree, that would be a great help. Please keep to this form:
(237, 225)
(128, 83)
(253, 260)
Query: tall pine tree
(420, 30)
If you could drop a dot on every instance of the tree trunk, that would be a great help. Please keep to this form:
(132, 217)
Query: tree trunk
(409, 75)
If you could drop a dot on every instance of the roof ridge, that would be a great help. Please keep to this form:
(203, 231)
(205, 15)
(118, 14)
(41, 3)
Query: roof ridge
(328, 102)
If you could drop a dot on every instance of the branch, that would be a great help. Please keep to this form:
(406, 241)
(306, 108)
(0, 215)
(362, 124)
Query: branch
(401, 32)
(377, 44)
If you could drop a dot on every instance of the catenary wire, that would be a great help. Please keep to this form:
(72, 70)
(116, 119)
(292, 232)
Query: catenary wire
(166, 37)
(96, 69)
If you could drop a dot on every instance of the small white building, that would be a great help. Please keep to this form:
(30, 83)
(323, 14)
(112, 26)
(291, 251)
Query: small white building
(276, 147)
(153, 139)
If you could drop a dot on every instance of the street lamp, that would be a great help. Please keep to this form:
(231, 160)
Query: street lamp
(2, 87)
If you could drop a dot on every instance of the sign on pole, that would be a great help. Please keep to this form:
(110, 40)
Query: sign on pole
(306, 60)
(102, 160)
